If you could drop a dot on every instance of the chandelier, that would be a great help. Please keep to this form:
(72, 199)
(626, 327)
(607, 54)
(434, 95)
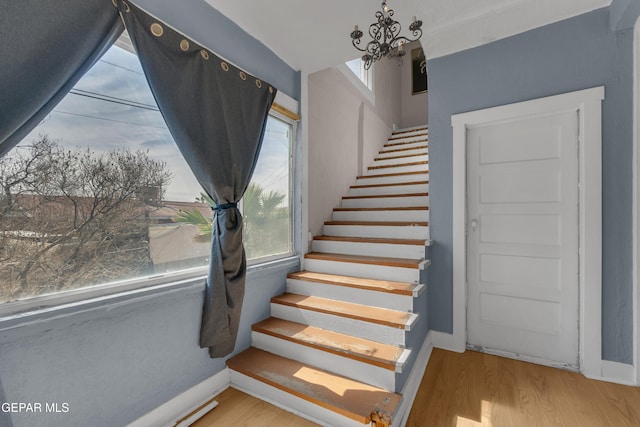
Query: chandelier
(386, 38)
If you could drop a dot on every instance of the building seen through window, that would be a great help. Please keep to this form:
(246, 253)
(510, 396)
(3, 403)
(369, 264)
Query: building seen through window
(99, 193)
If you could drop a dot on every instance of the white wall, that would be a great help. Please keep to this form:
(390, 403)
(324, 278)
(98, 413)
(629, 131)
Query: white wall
(346, 131)
(414, 108)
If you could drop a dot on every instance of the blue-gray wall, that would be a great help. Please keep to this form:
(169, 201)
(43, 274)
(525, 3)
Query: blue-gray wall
(114, 362)
(574, 54)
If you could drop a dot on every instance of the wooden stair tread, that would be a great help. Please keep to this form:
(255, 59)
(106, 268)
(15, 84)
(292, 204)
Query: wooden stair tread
(395, 144)
(374, 353)
(386, 175)
(417, 129)
(388, 241)
(381, 223)
(342, 395)
(400, 288)
(373, 196)
(399, 165)
(396, 208)
(364, 259)
(381, 316)
(394, 150)
(394, 184)
(379, 159)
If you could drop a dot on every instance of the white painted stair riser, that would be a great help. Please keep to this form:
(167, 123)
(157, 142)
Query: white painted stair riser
(363, 372)
(385, 202)
(369, 271)
(416, 215)
(378, 231)
(389, 189)
(399, 160)
(397, 169)
(358, 328)
(402, 151)
(369, 249)
(353, 295)
(399, 144)
(393, 179)
(407, 137)
(289, 402)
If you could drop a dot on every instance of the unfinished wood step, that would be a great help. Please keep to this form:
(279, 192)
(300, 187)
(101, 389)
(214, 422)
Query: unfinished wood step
(391, 178)
(384, 268)
(400, 248)
(367, 351)
(386, 200)
(399, 156)
(374, 292)
(381, 316)
(409, 142)
(407, 135)
(403, 149)
(339, 353)
(385, 230)
(404, 166)
(416, 213)
(352, 399)
(393, 188)
(404, 161)
(411, 129)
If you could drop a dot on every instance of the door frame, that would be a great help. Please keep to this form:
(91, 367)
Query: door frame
(587, 103)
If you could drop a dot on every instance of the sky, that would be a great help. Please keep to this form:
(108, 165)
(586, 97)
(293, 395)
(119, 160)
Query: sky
(129, 118)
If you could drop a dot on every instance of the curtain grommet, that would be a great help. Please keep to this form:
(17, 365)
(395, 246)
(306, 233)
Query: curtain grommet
(184, 45)
(224, 66)
(204, 54)
(243, 76)
(258, 83)
(126, 7)
(115, 3)
(157, 30)
(270, 89)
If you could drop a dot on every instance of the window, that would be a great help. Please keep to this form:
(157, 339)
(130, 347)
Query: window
(357, 67)
(98, 193)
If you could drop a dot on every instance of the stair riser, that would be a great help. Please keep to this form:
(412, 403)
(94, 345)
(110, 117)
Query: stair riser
(414, 143)
(364, 372)
(354, 295)
(289, 402)
(358, 328)
(386, 202)
(394, 179)
(418, 136)
(385, 162)
(395, 215)
(385, 232)
(397, 169)
(369, 249)
(391, 152)
(370, 271)
(393, 189)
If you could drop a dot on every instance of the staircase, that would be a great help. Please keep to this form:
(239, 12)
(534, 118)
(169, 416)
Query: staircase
(334, 347)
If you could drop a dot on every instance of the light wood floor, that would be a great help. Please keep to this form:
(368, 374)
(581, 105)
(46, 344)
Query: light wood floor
(474, 389)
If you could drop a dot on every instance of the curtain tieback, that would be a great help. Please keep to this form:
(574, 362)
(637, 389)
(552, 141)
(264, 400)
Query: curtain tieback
(219, 208)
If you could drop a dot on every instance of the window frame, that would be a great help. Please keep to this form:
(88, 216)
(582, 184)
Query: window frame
(156, 283)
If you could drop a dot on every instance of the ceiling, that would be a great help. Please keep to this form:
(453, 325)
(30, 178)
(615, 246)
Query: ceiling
(312, 35)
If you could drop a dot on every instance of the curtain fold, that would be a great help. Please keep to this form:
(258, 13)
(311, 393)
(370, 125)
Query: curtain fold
(46, 48)
(217, 115)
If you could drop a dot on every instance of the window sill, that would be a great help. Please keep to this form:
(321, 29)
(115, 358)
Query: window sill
(108, 297)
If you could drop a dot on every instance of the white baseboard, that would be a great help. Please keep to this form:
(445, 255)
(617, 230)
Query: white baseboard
(615, 372)
(182, 405)
(448, 342)
(410, 389)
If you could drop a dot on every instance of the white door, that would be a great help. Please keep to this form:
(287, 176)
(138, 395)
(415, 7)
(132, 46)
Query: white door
(522, 237)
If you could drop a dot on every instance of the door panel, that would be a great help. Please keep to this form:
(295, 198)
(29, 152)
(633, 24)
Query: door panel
(522, 237)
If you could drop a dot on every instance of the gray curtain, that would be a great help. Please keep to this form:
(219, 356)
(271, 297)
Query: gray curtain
(217, 115)
(45, 48)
